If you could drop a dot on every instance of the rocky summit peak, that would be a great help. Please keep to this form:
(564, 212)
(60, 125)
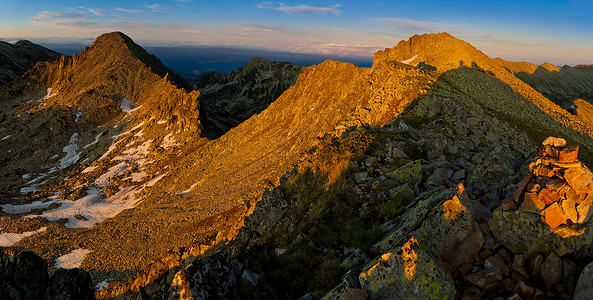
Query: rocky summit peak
(440, 50)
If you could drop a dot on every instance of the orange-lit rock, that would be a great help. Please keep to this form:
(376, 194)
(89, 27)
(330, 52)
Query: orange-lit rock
(548, 197)
(580, 179)
(568, 154)
(554, 216)
(532, 203)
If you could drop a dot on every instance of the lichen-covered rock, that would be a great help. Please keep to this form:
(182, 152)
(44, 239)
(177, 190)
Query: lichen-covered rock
(211, 277)
(267, 211)
(349, 288)
(451, 233)
(525, 233)
(409, 173)
(407, 273)
(584, 288)
(412, 218)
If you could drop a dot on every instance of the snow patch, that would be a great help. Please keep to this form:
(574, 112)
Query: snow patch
(168, 141)
(95, 141)
(9, 239)
(88, 169)
(70, 150)
(113, 171)
(27, 189)
(134, 154)
(25, 208)
(91, 209)
(78, 115)
(127, 106)
(189, 189)
(161, 122)
(6, 137)
(156, 179)
(72, 260)
(408, 61)
(101, 285)
(137, 177)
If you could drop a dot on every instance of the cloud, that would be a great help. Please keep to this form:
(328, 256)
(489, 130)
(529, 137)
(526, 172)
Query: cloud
(125, 10)
(300, 9)
(97, 12)
(49, 15)
(94, 11)
(157, 8)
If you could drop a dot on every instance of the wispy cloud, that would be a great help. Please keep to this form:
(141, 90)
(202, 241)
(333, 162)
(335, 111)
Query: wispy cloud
(157, 8)
(94, 11)
(125, 10)
(300, 9)
(49, 15)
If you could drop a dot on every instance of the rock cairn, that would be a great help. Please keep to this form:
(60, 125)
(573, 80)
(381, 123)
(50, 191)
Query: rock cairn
(559, 187)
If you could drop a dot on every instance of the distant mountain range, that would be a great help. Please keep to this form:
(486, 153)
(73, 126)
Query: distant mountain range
(17, 58)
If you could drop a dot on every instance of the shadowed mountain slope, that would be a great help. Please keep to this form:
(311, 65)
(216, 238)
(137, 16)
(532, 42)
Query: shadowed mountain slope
(561, 85)
(17, 58)
(231, 98)
(445, 52)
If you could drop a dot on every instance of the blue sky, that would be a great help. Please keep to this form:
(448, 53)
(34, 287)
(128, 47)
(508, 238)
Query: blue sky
(560, 32)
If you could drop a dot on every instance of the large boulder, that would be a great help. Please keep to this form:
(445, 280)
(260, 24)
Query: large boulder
(584, 288)
(451, 233)
(407, 273)
(526, 233)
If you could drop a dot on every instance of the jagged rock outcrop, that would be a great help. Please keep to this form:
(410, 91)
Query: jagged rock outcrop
(231, 98)
(17, 58)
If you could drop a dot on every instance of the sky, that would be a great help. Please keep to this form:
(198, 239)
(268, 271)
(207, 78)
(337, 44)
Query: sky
(560, 32)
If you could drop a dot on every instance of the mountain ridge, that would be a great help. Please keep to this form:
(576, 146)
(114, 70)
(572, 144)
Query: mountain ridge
(181, 194)
(17, 58)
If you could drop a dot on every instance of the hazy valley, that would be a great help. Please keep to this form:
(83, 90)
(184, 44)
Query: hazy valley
(423, 176)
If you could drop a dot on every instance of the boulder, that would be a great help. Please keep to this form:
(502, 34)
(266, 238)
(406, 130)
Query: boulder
(406, 273)
(584, 288)
(450, 232)
(526, 233)
(409, 173)
(551, 269)
(554, 141)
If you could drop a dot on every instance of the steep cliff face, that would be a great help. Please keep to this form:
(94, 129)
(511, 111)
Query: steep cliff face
(17, 58)
(231, 98)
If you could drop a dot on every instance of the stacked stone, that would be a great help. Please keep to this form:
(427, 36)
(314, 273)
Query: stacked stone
(559, 188)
